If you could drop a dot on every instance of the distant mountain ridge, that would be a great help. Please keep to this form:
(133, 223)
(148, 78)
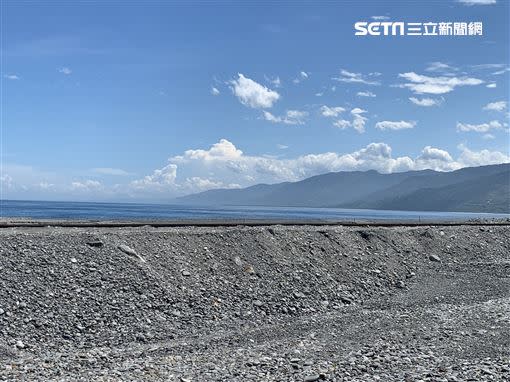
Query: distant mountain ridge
(471, 189)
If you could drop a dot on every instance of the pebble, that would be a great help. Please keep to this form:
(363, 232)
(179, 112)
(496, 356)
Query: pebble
(312, 377)
(434, 258)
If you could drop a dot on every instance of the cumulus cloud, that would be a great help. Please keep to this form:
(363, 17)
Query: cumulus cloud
(426, 102)
(159, 179)
(492, 85)
(215, 91)
(477, 2)
(333, 111)
(87, 185)
(365, 94)
(291, 117)
(395, 125)
(480, 128)
(469, 158)
(496, 106)
(223, 165)
(253, 94)
(65, 70)
(350, 77)
(12, 77)
(421, 84)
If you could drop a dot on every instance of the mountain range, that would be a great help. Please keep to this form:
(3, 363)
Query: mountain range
(471, 189)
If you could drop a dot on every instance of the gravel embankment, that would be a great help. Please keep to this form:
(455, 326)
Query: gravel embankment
(255, 304)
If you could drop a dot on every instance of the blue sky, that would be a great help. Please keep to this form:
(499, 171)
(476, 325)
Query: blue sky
(149, 100)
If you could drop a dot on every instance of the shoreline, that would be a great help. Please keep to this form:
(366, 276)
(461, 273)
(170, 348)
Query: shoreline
(161, 223)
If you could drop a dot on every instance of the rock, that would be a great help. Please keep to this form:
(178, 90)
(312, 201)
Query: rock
(185, 273)
(95, 243)
(258, 303)
(20, 344)
(73, 260)
(400, 284)
(312, 377)
(2, 311)
(434, 258)
(131, 252)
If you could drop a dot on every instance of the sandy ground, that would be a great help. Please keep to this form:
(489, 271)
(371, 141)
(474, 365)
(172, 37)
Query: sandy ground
(265, 303)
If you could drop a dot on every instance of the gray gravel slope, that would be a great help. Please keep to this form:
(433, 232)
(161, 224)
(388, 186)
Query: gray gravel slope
(255, 304)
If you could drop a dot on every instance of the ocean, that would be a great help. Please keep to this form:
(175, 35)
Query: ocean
(132, 211)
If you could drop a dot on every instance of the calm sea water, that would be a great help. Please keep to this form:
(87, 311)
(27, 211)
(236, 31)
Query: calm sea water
(130, 211)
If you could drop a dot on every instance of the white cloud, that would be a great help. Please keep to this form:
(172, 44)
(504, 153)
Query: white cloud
(320, 94)
(301, 77)
(365, 94)
(488, 137)
(496, 106)
(160, 179)
(477, 2)
(426, 102)
(350, 77)
(88, 185)
(431, 153)
(488, 66)
(342, 124)
(481, 128)
(110, 171)
(484, 157)
(492, 85)
(276, 82)
(215, 91)
(291, 117)
(334, 111)
(6, 181)
(379, 18)
(197, 184)
(46, 186)
(421, 84)
(253, 94)
(223, 150)
(282, 147)
(441, 67)
(65, 70)
(12, 77)
(358, 121)
(502, 71)
(395, 125)
(226, 166)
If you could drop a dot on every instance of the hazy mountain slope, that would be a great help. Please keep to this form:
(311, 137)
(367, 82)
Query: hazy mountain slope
(484, 194)
(484, 188)
(317, 191)
(433, 179)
